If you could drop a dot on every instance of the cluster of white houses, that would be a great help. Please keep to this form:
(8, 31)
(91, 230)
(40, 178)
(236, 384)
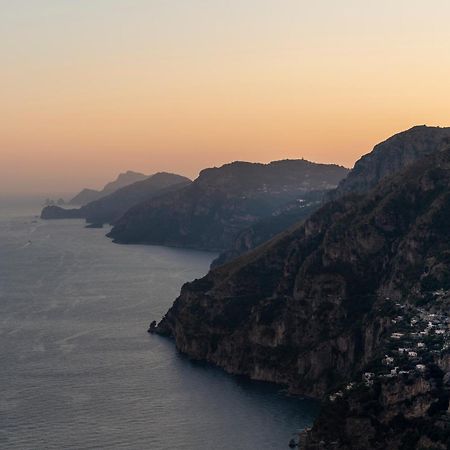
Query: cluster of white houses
(417, 335)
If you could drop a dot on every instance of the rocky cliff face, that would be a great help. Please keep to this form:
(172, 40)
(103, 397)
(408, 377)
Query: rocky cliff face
(90, 195)
(391, 156)
(313, 308)
(110, 207)
(407, 411)
(223, 201)
(403, 402)
(387, 158)
(266, 228)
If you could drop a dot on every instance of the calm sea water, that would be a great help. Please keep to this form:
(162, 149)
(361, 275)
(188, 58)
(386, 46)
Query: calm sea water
(77, 367)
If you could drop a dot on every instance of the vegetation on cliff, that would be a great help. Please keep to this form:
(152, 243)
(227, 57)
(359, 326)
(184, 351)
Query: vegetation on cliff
(313, 308)
(223, 201)
(389, 157)
(386, 159)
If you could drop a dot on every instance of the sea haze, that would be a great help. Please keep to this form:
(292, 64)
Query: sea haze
(78, 369)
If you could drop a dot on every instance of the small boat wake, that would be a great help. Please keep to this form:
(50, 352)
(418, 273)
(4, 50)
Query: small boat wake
(27, 244)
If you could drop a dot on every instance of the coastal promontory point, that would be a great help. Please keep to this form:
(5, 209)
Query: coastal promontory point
(223, 201)
(225, 225)
(110, 207)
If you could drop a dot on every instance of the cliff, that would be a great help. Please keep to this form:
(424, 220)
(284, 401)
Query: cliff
(401, 401)
(408, 410)
(387, 158)
(223, 201)
(110, 207)
(318, 306)
(391, 156)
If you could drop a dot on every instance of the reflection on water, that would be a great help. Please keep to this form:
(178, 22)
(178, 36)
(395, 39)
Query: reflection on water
(78, 369)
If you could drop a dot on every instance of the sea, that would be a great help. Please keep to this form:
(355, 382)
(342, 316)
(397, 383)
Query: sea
(78, 369)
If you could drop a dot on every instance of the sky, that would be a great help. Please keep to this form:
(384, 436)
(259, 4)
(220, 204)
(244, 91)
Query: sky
(90, 88)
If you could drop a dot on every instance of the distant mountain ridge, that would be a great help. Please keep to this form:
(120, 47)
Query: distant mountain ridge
(110, 207)
(221, 202)
(122, 180)
(387, 158)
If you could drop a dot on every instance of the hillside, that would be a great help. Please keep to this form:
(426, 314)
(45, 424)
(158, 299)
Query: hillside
(324, 303)
(210, 212)
(266, 228)
(390, 156)
(387, 158)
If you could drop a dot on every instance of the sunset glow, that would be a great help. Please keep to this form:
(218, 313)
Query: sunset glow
(94, 87)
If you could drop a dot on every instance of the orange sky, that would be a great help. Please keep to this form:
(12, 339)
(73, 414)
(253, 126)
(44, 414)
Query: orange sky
(95, 87)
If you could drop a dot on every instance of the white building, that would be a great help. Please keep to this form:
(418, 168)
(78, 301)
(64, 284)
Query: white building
(396, 335)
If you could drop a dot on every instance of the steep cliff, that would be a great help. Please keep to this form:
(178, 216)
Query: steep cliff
(317, 306)
(401, 401)
(390, 156)
(386, 159)
(110, 207)
(401, 411)
(222, 201)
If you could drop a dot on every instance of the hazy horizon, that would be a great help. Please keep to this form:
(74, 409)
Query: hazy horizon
(98, 182)
(91, 89)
